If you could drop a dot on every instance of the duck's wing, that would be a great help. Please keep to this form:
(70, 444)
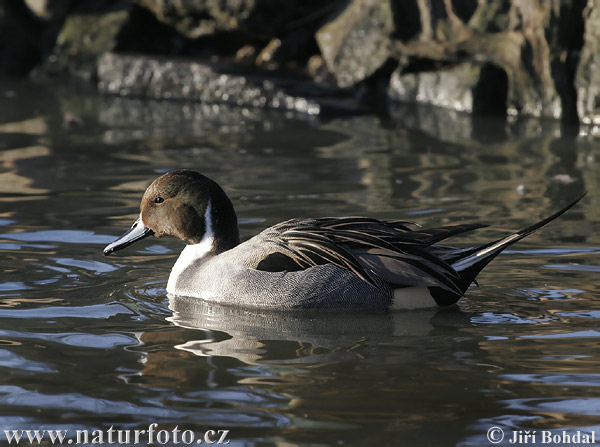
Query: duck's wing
(396, 230)
(390, 253)
(431, 236)
(383, 253)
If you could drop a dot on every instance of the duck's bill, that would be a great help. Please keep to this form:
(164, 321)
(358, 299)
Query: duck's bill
(137, 231)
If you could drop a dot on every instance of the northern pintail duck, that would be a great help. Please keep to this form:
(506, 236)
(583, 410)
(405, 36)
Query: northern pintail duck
(330, 262)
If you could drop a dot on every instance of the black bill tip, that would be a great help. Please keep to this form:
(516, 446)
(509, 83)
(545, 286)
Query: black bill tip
(137, 231)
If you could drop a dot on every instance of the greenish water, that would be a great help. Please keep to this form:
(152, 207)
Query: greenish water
(88, 342)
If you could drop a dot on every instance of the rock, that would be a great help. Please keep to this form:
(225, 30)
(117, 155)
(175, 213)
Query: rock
(450, 88)
(49, 10)
(85, 34)
(289, 51)
(357, 42)
(467, 87)
(197, 18)
(267, 56)
(19, 51)
(191, 19)
(587, 79)
(521, 57)
(520, 37)
(532, 89)
(317, 70)
(211, 83)
(246, 54)
(279, 32)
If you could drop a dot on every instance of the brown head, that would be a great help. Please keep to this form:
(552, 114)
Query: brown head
(187, 205)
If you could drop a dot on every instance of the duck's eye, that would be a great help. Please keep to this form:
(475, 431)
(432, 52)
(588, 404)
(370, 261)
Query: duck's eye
(159, 200)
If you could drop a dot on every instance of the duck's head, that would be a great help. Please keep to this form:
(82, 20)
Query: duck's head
(187, 205)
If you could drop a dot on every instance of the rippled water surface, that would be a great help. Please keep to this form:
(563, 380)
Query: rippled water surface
(88, 342)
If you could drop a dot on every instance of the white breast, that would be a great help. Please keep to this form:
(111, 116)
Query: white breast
(193, 252)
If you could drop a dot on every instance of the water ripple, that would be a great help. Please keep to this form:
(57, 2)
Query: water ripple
(17, 363)
(67, 236)
(573, 267)
(585, 314)
(556, 251)
(78, 339)
(505, 318)
(577, 334)
(13, 285)
(20, 397)
(97, 311)
(557, 379)
(584, 406)
(93, 266)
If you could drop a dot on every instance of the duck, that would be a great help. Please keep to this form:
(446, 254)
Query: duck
(357, 263)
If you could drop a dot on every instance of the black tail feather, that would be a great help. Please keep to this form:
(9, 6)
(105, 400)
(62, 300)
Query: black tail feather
(474, 260)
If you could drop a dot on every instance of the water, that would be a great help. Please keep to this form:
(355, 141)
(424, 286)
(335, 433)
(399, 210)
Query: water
(88, 342)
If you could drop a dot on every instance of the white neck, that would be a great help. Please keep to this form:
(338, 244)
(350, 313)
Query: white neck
(193, 252)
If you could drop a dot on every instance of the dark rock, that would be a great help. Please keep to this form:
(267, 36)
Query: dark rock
(86, 33)
(514, 56)
(510, 35)
(317, 70)
(465, 87)
(191, 19)
(211, 83)
(357, 42)
(281, 32)
(587, 80)
(267, 57)
(246, 54)
(197, 18)
(49, 10)
(451, 88)
(289, 51)
(19, 34)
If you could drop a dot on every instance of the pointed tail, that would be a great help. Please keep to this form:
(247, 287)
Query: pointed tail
(474, 260)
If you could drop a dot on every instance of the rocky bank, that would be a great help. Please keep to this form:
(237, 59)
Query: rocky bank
(517, 57)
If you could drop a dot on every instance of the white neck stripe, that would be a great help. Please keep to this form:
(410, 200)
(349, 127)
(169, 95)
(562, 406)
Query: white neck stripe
(208, 229)
(207, 242)
(194, 252)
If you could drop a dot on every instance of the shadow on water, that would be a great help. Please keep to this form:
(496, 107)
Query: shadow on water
(90, 342)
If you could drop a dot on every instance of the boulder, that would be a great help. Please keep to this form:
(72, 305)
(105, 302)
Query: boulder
(19, 50)
(87, 32)
(357, 41)
(587, 79)
(152, 77)
(192, 18)
(49, 10)
(521, 37)
(451, 88)
(262, 18)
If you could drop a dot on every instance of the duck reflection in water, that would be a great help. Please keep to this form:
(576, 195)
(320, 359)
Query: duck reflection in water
(287, 337)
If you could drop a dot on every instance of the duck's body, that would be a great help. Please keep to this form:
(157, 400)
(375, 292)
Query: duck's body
(250, 274)
(335, 263)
